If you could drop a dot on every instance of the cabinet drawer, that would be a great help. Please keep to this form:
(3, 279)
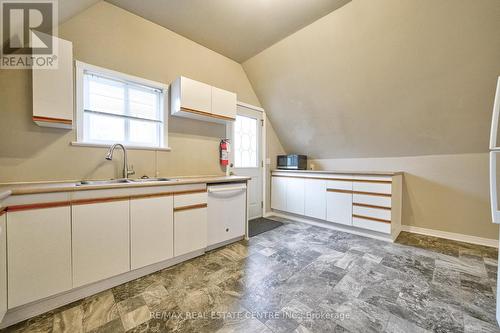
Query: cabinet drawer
(378, 213)
(183, 200)
(372, 187)
(339, 185)
(374, 200)
(371, 225)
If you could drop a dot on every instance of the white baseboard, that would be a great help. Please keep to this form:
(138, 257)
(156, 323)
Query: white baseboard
(451, 236)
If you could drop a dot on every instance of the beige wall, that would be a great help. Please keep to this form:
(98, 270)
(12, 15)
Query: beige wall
(107, 36)
(384, 78)
(375, 81)
(441, 192)
(273, 148)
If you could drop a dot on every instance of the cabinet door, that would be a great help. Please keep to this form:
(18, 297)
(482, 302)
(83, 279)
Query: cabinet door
(39, 254)
(190, 230)
(295, 196)
(53, 90)
(315, 198)
(339, 207)
(196, 95)
(278, 193)
(151, 230)
(101, 247)
(3, 265)
(223, 103)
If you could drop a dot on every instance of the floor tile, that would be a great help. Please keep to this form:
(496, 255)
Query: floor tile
(315, 279)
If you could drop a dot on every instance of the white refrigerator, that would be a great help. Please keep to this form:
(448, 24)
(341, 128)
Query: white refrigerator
(495, 174)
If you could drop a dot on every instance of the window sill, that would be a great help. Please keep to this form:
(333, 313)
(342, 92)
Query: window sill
(103, 145)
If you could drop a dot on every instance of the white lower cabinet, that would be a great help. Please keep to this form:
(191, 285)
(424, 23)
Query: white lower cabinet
(101, 244)
(339, 202)
(190, 230)
(315, 198)
(151, 230)
(366, 201)
(39, 254)
(3, 265)
(339, 207)
(295, 196)
(278, 193)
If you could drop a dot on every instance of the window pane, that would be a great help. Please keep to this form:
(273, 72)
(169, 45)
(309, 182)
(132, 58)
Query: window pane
(245, 142)
(118, 109)
(105, 95)
(144, 103)
(104, 128)
(144, 133)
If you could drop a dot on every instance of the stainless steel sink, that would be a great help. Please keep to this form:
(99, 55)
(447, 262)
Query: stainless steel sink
(103, 182)
(123, 181)
(145, 180)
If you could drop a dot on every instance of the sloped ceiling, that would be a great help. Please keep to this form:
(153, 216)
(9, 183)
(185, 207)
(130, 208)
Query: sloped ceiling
(69, 8)
(384, 78)
(237, 29)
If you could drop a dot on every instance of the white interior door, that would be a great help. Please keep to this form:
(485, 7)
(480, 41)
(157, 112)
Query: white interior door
(246, 155)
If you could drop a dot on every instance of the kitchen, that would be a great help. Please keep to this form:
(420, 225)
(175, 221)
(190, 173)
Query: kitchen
(331, 173)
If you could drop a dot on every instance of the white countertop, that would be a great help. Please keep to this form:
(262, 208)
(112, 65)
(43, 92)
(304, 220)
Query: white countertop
(51, 187)
(345, 172)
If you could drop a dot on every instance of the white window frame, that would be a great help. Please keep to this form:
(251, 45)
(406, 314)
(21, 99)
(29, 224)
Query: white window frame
(81, 68)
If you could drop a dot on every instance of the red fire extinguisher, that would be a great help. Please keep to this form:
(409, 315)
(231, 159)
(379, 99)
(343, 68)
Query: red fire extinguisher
(224, 152)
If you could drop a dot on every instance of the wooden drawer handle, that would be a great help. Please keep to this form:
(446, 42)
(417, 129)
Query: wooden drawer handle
(198, 206)
(370, 206)
(371, 218)
(338, 191)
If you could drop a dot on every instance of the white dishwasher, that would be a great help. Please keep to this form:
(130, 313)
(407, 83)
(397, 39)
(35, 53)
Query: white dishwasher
(227, 213)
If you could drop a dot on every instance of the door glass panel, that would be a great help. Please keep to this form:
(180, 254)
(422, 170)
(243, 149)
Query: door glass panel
(245, 142)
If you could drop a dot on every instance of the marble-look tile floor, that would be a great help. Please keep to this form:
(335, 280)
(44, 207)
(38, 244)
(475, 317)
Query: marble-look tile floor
(301, 278)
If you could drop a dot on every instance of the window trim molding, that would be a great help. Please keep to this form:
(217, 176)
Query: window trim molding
(80, 68)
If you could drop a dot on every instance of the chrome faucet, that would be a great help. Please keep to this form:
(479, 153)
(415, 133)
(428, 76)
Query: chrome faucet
(109, 156)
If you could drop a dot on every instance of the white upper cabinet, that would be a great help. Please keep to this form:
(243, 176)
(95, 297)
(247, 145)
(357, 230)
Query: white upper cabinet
(151, 230)
(223, 103)
(191, 95)
(39, 254)
(315, 198)
(53, 91)
(197, 100)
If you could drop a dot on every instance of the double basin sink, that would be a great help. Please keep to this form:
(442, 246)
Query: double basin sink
(123, 181)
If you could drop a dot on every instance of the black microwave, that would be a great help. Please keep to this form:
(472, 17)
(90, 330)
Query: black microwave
(292, 162)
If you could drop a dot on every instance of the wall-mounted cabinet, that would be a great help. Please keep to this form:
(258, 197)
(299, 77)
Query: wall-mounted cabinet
(197, 100)
(53, 90)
